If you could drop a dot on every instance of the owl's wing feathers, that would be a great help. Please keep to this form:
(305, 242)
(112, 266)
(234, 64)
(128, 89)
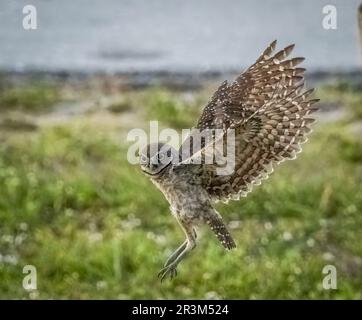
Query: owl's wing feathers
(269, 110)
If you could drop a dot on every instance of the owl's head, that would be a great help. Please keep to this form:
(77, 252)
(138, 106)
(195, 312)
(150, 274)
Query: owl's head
(156, 157)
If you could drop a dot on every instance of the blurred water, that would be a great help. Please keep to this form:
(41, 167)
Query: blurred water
(178, 35)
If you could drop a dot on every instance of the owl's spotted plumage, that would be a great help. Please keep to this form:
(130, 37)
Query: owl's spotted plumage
(269, 113)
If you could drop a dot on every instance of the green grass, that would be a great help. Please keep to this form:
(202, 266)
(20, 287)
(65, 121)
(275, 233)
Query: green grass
(28, 97)
(166, 107)
(122, 105)
(95, 227)
(343, 94)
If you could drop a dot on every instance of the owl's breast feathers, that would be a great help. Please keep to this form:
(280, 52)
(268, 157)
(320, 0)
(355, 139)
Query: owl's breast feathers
(183, 187)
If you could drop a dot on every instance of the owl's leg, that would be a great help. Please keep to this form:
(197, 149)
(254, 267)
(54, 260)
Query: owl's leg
(177, 252)
(173, 261)
(174, 255)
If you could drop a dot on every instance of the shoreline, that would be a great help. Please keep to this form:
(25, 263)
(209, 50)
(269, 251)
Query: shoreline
(182, 80)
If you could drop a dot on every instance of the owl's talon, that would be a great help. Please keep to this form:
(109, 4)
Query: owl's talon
(169, 270)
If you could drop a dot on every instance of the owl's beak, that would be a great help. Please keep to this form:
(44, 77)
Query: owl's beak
(148, 170)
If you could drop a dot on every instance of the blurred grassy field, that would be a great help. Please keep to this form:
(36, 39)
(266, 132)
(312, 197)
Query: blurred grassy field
(95, 227)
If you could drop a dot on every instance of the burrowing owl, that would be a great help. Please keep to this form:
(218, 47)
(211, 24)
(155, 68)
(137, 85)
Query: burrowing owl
(268, 110)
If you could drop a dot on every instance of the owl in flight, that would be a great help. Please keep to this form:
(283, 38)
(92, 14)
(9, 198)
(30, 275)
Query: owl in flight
(269, 113)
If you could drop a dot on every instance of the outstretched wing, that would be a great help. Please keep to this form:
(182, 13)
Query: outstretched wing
(269, 111)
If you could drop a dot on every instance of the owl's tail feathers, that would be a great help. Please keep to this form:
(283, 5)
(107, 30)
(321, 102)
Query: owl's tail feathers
(220, 230)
